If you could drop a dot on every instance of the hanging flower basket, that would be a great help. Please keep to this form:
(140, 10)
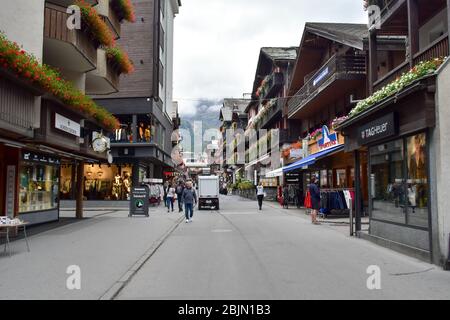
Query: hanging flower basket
(119, 60)
(124, 10)
(94, 25)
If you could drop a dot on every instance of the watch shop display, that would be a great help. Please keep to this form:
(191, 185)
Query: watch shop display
(38, 187)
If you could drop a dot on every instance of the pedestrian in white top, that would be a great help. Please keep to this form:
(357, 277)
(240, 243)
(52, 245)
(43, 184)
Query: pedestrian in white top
(170, 198)
(260, 195)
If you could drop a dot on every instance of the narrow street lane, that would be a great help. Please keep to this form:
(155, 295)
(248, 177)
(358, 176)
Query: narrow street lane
(241, 253)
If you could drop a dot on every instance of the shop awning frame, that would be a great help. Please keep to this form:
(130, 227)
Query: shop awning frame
(313, 158)
(275, 173)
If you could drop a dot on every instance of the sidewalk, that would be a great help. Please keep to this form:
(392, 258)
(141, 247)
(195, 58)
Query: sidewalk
(341, 224)
(105, 245)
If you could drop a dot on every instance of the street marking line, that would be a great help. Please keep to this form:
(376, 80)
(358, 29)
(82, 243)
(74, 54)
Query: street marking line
(113, 292)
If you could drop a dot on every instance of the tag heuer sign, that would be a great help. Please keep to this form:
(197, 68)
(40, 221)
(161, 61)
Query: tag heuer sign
(381, 128)
(69, 126)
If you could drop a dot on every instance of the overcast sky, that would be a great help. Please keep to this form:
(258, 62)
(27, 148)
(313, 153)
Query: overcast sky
(217, 42)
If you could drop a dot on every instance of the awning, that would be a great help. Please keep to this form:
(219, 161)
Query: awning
(275, 173)
(312, 158)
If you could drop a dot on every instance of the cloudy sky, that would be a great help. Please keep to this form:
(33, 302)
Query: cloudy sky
(217, 42)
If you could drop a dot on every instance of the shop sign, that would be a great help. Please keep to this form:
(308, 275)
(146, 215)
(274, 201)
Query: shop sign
(321, 76)
(292, 178)
(69, 126)
(36, 157)
(139, 201)
(381, 128)
(328, 139)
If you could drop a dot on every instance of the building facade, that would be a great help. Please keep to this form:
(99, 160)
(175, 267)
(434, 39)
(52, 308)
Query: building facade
(400, 129)
(142, 146)
(48, 122)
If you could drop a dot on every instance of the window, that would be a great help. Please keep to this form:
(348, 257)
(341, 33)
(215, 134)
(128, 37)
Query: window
(39, 187)
(398, 181)
(162, 37)
(162, 4)
(417, 182)
(387, 183)
(161, 74)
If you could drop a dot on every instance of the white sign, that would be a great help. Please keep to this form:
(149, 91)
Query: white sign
(64, 124)
(296, 153)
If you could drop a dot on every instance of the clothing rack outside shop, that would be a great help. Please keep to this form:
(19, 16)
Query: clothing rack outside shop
(348, 204)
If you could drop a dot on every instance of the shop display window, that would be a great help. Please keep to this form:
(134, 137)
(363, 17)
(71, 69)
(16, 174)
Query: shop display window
(104, 182)
(146, 128)
(341, 178)
(398, 181)
(417, 182)
(39, 187)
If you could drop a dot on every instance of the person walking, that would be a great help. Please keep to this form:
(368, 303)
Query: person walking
(189, 198)
(170, 198)
(260, 195)
(165, 189)
(180, 189)
(285, 197)
(315, 199)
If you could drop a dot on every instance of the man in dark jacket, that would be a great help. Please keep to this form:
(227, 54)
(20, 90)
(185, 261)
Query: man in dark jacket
(189, 198)
(179, 190)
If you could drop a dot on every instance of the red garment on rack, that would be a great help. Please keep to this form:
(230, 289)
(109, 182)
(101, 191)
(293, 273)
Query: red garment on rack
(308, 203)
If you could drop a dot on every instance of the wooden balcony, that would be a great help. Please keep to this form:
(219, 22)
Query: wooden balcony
(64, 48)
(438, 49)
(274, 85)
(339, 74)
(103, 80)
(274, 114)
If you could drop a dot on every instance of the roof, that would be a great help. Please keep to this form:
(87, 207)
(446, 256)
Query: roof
(288, 53)
(350, 34)
(231, 106)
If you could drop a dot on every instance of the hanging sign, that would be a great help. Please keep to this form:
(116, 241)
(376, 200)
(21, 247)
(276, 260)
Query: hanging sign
(328, 139)
(381, 128)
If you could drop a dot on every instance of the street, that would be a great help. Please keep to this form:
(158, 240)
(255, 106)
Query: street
(237, 253)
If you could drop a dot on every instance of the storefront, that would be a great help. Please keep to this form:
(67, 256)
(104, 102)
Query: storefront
(101, 182)
(38, 184)
(395, 135)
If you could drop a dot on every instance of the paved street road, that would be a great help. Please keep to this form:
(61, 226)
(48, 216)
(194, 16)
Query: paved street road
(237, 253)
(240, 253)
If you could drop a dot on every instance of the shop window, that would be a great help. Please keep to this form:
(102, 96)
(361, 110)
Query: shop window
(104, 182)
(39, 187)
(399, 183)
(341, 178)
(387, 182)
(125, 132)
(417, 182)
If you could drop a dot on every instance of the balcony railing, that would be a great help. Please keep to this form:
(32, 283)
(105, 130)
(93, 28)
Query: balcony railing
(274, 84)
(55, 28)
(388, 7)
(346, 67)
(274, 113)
(438, 49)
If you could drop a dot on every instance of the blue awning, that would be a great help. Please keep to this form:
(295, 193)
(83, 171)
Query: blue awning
(309, 160)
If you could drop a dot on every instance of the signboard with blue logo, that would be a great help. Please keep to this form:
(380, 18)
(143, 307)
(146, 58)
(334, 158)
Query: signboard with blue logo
(328, 139)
